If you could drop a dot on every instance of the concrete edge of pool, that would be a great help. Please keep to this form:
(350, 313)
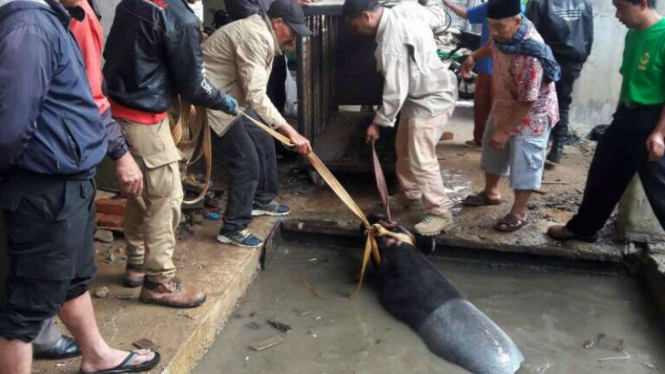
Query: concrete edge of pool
(185, 335)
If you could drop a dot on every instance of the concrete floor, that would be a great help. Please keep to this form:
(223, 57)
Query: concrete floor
(549, 314)
(225, 273)
(222, 271)
(317, 209)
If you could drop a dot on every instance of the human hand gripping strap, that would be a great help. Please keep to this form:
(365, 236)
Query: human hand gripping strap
(191, 135)
(373, 231)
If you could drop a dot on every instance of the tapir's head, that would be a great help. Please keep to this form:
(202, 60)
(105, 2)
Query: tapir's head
(425, 244)
(386, 241)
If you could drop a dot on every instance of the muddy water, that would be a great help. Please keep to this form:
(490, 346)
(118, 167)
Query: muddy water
(550, 315)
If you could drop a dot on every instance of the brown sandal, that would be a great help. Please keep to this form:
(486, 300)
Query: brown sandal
(480, 199)
(473, 143)
(510, 223)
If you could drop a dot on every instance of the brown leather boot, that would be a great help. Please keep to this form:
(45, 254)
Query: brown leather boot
(171, 293)
(133, 277)
(562, 233)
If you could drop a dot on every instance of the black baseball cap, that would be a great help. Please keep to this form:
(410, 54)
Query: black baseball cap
(292, 14)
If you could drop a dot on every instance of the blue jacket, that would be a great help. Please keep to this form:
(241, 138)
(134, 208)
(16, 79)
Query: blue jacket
(49, 123)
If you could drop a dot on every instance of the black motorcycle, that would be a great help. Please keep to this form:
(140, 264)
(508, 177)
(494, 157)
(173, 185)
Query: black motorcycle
(468, 41)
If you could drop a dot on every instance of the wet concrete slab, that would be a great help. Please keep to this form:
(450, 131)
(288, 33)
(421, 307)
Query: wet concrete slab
(182, 335)
(317, 209)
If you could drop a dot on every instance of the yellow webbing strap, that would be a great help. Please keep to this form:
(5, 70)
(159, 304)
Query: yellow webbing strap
(372, 230)
(191, 135)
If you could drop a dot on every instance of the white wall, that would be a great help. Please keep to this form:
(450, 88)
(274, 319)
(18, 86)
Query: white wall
(597, 91)
(107, 9)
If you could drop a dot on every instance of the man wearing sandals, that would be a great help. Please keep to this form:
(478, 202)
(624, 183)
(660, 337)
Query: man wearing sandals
(87, 30)
(238, 59)
(417, 85)
(523, 112)
(52, 138)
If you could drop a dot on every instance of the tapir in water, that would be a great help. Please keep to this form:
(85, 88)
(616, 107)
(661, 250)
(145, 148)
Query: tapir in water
(413, 291)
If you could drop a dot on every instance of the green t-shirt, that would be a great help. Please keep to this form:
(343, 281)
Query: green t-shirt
(643, 66)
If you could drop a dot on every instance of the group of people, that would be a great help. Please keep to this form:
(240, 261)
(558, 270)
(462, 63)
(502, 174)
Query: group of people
(526, 69)
(61, 113)
(533, 58)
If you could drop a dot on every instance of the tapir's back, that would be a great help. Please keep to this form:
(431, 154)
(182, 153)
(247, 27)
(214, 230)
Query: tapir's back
(460, 333)
(410, 287)
(412, 290)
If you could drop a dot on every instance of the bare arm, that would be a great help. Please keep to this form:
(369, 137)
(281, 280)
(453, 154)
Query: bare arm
(520, 110)
(460, 11)
(484, 51)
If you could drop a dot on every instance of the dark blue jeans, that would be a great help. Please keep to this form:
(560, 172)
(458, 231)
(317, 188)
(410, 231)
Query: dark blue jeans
(570, 71)
(249, 157)
(621, 152)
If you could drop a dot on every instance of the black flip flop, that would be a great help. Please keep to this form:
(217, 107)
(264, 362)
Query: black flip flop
(510, 223)
(124, 366)
(480, 199)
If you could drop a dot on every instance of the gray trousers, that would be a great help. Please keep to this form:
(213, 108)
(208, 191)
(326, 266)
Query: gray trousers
(49, 335)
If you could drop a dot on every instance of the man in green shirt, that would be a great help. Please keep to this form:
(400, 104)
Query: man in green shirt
(634, 141)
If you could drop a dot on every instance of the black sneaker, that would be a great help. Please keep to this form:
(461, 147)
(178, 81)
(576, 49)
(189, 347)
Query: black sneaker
(240, 238)
(272, 208)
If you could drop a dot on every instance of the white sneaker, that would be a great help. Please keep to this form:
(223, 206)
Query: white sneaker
(435, 224)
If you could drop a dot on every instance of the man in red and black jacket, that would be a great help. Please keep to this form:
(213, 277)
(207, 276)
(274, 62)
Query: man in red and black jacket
(152, 54)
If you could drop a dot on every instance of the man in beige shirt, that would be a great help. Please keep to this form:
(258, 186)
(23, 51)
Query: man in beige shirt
(418, 85)
(238, 60)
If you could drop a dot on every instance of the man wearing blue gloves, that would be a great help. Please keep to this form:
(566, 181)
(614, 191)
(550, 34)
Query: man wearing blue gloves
(153, 53)
(238, 58)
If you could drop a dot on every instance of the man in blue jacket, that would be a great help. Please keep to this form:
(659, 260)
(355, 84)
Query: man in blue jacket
(51, 139)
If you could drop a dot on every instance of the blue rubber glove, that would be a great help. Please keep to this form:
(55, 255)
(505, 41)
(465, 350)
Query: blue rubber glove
(230, 105)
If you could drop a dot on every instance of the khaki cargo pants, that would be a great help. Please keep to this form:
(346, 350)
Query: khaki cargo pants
(417, 167)
(151, 220)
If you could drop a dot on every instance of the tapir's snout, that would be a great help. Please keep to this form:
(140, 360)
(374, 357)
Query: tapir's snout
(387, 224)
(385, 241)
(426, 244)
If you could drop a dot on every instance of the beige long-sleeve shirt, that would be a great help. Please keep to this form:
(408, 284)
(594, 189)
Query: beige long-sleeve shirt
(416, 81)
(238, 60)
